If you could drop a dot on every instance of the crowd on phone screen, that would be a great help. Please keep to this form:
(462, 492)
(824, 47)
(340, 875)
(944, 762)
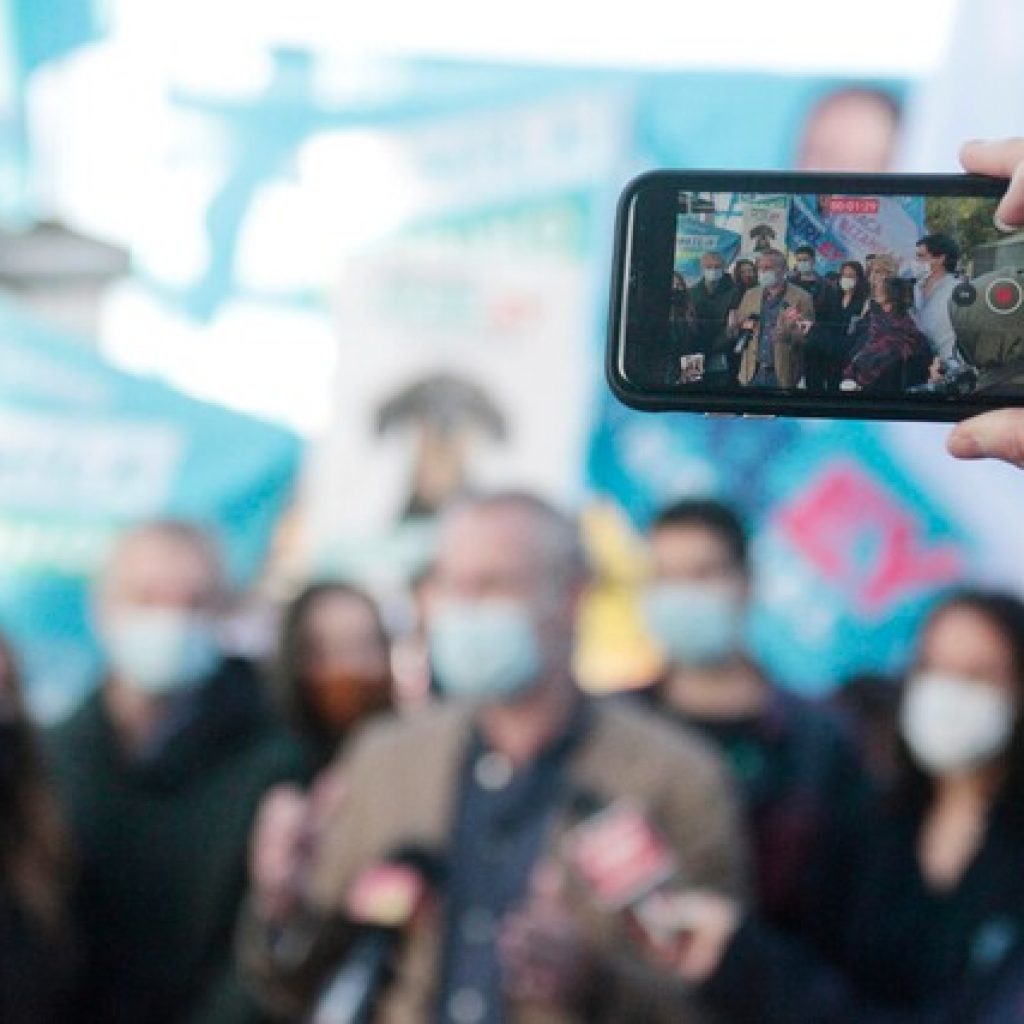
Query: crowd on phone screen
(881, 326)
(186, 846)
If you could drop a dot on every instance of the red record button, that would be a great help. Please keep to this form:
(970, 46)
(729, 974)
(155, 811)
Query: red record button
(1004, 296)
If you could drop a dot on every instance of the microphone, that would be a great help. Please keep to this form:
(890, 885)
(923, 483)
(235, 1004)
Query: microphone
(746, 335)
(382, 903)
(629, 867)
(618, 854)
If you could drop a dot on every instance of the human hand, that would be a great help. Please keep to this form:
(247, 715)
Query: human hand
(277, 849)
(544, 956)
(992, 435)
(1002, 158)
(998, 434)
(687, 933)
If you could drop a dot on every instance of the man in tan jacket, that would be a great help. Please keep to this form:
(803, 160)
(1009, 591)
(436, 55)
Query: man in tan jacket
(778, 316)
(492, 780)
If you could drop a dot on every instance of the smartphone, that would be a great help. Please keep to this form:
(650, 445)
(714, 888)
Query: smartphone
(768, 294)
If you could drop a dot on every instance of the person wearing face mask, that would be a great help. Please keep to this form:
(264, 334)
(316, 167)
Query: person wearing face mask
(333, 669)
(713, 297)
(895, 354)
(797, 770)
(828, 342)
(926, 914)
(493, 777)
(805, 274)
(744, 277)
(161, 771)
(37, 947)
(935, 260)
(774, 355)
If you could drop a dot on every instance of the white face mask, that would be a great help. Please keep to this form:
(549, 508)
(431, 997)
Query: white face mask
(767, 278)
(921, 269)
(694, 623)
(953, 724)
(804, 266)
(712, 275)
(847, 284)
(487, 650)
(160, 650)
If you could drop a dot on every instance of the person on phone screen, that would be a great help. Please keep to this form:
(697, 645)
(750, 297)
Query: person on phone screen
(828, 344)
(935, 262)
(744, 276)
(773, 356)
(896, 355)
(805, 272)
(713, 296)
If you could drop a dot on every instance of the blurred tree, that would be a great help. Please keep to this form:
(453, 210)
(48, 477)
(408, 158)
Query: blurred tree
(968, 219)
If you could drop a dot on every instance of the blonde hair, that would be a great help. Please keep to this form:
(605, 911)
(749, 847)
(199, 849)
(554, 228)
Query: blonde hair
(887, 263)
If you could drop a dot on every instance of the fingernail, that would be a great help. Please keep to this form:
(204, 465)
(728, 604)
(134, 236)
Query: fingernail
(1006, 229)
(964, 445)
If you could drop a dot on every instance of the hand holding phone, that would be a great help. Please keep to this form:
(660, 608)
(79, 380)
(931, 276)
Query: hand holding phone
(869, 234)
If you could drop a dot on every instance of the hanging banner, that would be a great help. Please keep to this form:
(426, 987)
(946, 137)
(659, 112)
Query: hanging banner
(840, 227)
(765, 224)
(695, 237)
(86, 450)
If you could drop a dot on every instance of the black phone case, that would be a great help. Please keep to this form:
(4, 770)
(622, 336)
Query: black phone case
(754, 402)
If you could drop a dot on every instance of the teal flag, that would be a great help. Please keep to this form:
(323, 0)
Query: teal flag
(85, 450)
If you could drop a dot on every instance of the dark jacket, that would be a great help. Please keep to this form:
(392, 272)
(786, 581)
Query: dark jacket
(163, 848)
(900, 952)
(802, 788)
(895, 355)
(402, 780)
(711, 308)
(36, 969)
(831, 331)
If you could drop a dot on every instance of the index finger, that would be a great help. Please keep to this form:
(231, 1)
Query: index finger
(996, 157)
(1002, 159)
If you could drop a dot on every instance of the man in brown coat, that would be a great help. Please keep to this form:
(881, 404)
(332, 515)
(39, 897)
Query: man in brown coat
(493, 780)
(782, 315)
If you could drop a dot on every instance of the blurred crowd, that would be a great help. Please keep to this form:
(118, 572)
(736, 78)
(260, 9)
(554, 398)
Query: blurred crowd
(209, 839)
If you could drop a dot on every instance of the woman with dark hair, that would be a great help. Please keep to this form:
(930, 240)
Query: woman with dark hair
(333, 665)
(744, 275)
(36, 959)
(828, 343)
(895, 355)
(919, 920)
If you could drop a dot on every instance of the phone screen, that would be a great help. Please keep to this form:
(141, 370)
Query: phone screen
(889, 296)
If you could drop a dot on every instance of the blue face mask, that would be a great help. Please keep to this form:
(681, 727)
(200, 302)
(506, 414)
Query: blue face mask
(159, 650)
(693, 623)
(487, 650)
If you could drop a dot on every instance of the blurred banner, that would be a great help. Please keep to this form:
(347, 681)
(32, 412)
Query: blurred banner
(86, 449)
(406, 261)
(884, 224)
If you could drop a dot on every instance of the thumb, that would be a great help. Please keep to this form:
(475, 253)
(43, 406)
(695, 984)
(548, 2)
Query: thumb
(993, 435)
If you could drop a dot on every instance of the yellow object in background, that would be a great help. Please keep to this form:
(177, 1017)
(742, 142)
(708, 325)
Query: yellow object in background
(615, 651)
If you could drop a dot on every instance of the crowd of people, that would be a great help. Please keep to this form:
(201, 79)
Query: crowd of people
(185, 847)
(872, 326)
(207, 840)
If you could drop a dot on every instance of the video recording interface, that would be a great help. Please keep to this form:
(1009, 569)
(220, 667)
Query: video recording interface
(832, 294)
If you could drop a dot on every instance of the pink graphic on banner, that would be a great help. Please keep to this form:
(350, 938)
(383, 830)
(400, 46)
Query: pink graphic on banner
(846, 512)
